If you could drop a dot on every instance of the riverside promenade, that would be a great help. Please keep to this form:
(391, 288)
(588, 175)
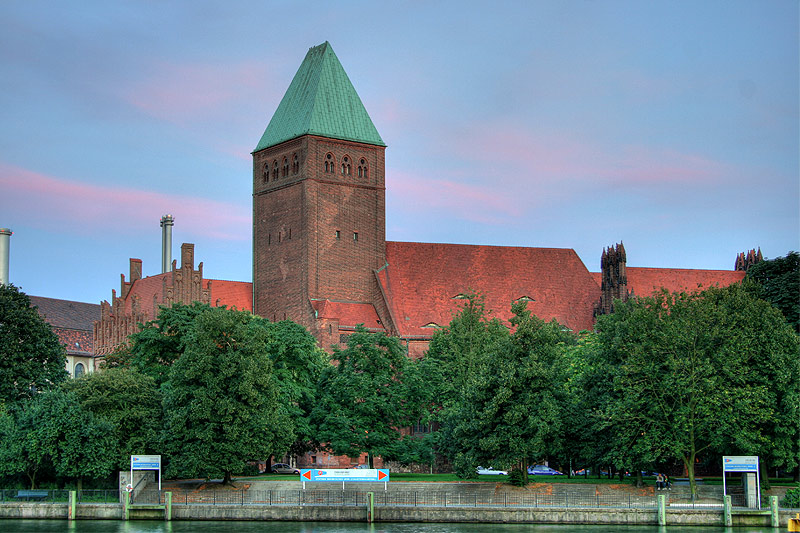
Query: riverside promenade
(479, 502)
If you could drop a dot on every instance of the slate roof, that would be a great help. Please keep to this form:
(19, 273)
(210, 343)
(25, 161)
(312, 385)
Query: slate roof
(72, 322)
(645, 281)
(422, 283)
(322, 101)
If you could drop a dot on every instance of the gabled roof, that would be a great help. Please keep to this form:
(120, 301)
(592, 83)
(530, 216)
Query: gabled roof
(322, 101)
(423, 282)
(67, 313)
(645, 281)
(238, 294)
(348, 314)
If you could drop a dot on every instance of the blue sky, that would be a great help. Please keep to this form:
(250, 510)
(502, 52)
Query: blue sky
(671, 126)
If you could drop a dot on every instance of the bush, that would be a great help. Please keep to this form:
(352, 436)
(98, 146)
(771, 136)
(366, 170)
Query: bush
(792, 498)
(516, 478)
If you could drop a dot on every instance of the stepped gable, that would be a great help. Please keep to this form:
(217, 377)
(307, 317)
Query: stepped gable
(423, 284)
(321, 100)
(646, 281)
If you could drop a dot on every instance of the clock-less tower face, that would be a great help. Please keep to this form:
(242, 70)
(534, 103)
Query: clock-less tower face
(318, 197)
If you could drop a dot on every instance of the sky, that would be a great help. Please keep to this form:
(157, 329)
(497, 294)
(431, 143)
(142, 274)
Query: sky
(669, 125)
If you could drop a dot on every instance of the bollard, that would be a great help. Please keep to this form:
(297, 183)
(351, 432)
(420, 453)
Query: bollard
(794, 523)
(726, 505)
(370, 506)
(662, 510)
(167, 506)
(126, 502)
(73, 497)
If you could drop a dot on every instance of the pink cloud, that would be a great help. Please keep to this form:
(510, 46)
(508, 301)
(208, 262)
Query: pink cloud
(61, 205)
(482, 204)
(185, 92)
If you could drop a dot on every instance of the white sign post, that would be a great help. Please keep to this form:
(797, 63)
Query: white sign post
(146, 462)
(747, 465)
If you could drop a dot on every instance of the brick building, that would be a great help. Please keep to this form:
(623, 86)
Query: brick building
(321, 257)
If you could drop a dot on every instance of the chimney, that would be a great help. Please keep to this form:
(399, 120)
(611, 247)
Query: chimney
(166, 242)
(5, 239)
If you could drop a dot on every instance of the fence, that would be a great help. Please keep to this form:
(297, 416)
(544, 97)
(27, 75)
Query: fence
(58, 496)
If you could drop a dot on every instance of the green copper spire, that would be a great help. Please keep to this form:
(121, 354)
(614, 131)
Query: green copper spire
(320, 101)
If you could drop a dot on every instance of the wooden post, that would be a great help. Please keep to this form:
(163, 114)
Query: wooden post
(370, 506)
(662, 509)
(126, 503)
(775, 518)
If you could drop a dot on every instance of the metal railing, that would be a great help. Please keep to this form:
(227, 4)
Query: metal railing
(58, 496)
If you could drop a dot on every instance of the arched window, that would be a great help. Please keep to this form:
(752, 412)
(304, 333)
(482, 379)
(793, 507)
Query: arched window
(329, 163)
(363, 170)
(266, 172)
(295, 164)
(274, 170)
(345, 166)
(285, 167)
(79, 370)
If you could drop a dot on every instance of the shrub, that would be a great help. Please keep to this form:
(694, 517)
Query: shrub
(792, 498)
(516, 478)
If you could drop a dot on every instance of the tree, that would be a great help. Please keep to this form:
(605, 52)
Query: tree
(127, 399)
(50, 434)
(160, 342)
(362, 400)
(696, 373)
(451, 365)
(510, 412)
(31, 356)
(779, 282)
(297, 364)
(221, 402)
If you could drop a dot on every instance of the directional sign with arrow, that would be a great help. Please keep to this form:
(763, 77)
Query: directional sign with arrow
(339, 475)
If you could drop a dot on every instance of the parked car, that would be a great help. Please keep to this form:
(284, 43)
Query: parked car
(283, 468)
(583, 471)
(542, 470)
(490, 472)
(361, 467)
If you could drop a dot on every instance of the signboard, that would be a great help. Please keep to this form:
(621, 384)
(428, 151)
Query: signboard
(339, 475)
(146, 462)
(740, 463)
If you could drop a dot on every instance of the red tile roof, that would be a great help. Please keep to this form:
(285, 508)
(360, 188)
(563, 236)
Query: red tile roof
(349, 314)
(233, 294)
(72, 322)
(422, 282)
(645, 281)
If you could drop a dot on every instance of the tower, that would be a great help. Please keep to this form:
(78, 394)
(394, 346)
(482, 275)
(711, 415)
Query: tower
(318, 197)
(614, 284)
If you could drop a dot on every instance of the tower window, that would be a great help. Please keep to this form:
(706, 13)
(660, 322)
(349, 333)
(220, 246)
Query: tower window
(363, 171)
(275, 170)
(329, 163)
(338, 234)
(266, 172)
(295, 164)
(355, 236)
(285, 167)
(346, 166)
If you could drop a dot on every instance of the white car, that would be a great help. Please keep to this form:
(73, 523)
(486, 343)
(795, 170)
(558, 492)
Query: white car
(490, 472)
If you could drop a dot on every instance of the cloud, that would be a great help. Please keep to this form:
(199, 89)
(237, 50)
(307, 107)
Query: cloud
(60, 205)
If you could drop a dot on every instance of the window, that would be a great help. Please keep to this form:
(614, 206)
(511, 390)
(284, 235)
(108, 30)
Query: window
(79, 370)
(355, 236)
(295, 164)
(285, 167)
(363, 171)
(338, 234)
(275, 170)
(265, 176)
(329, 163)
(345, 166)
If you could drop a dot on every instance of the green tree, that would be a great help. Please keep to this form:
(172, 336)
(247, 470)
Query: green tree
(779, 282)
(221, 403)
(511, 412)
(448, 370)
(130, 401)
(51, 435)
(692, 374)
(362, 399)
(31, 356)
(297, 364)
(160, 342)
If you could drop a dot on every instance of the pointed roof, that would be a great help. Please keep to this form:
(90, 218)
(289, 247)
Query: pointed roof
(320, 101)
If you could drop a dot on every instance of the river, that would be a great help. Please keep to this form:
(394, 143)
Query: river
(137, 526)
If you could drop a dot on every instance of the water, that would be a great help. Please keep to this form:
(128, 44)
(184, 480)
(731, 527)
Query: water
(142, 526)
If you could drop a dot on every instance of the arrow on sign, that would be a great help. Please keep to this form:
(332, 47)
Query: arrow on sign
(307, 474)
(381, 475)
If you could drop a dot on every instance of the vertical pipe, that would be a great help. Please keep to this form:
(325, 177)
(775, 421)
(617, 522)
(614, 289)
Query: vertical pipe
(5, 240)
(166, 242)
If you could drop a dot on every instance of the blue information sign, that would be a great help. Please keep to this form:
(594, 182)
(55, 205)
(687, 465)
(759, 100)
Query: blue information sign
(340, 475)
